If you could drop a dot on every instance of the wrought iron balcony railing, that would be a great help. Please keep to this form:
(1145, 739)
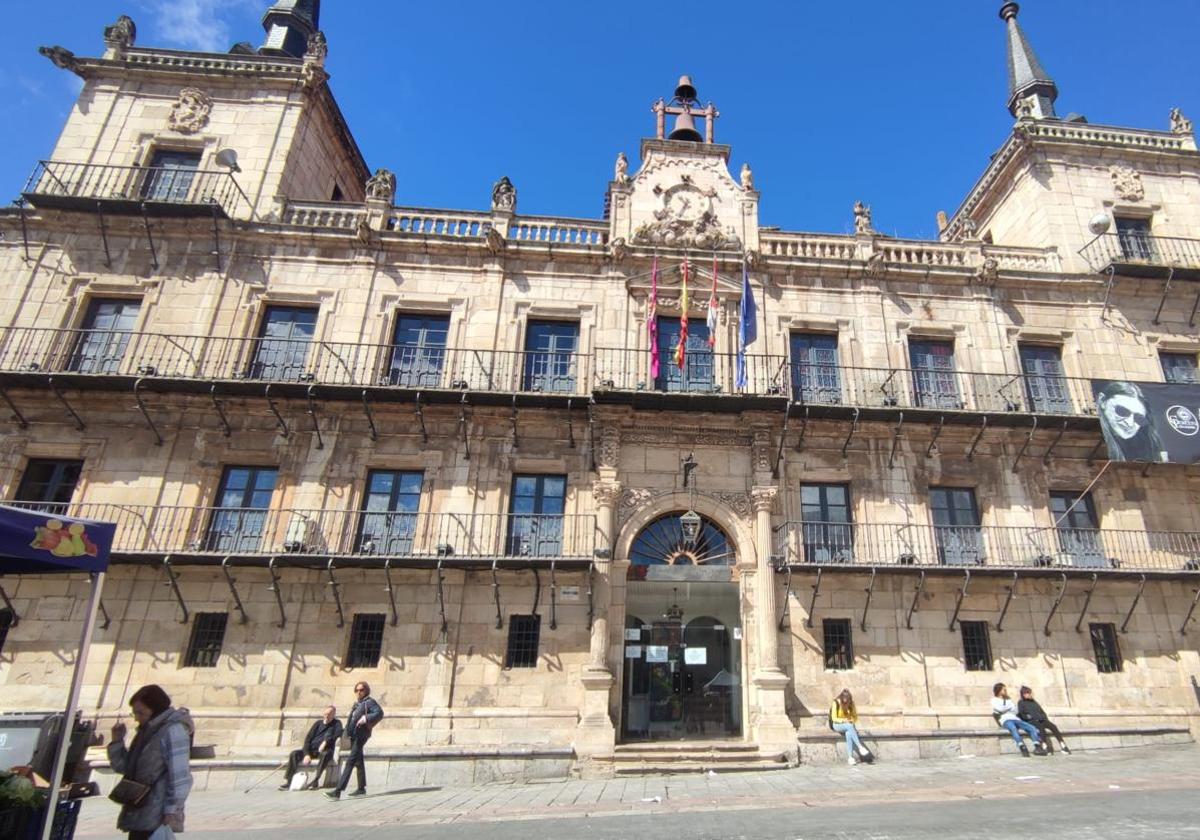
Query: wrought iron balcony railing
(1003, 547)
(1141, 254)
(221, 532)
(154, 190)
(703, 373)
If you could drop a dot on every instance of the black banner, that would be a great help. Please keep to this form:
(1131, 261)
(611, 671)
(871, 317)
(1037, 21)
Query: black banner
(1149, 421)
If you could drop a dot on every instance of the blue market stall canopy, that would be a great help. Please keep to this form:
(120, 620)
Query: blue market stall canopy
(37, 542)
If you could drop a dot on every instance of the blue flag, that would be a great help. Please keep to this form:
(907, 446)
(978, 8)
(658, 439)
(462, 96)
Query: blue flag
(747, 326)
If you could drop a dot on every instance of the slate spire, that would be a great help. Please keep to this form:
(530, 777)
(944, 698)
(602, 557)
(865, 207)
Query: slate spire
(289, 25)
(1031, 91)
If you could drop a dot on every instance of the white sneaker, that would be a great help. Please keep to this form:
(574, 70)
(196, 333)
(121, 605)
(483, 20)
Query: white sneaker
(852, 761)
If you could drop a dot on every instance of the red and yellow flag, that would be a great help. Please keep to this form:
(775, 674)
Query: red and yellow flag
(713, 304)
(681, 348)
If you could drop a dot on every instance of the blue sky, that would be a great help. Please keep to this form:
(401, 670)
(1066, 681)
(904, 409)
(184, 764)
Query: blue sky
(898, 104)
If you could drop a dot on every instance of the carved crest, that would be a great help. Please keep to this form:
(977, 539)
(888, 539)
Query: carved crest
(1127, 183)
(494, 241)
(703, 233)
(190, 111)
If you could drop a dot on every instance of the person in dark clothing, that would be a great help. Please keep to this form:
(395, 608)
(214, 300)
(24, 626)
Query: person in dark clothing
(363, 717)
(319, 743)
(1031, 711)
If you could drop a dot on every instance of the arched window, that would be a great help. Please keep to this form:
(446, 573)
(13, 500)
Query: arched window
(662, 542)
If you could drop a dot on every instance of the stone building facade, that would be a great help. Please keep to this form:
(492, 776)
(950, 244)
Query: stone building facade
(349, 440)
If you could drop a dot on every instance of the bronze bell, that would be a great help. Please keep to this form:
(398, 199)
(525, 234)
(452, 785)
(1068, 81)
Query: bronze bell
(685, 91)
(685, 129)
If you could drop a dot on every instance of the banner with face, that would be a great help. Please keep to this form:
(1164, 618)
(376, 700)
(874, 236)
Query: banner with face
(1149, 421)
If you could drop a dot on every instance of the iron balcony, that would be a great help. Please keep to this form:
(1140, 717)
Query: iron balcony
(1139, 254)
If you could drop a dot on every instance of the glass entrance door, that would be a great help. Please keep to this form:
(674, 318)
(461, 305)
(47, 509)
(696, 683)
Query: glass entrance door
(683, 658)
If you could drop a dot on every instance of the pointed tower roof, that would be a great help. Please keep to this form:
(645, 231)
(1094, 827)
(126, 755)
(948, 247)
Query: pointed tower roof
(289, 25)
(1026, 76)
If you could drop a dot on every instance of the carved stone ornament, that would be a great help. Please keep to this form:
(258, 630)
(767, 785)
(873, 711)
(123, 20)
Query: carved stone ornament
(381, 186)
(494, 241)
(755, 261)
(618, 249)
(610, 447)
(1127, 183)
(1025, 108)
(763, 498)
(190, 111)
(760, 449)
(876, 265)
(747, 177)
(1179, 123)
(862, 218)
(317, 49)
(989, 272)
(504, 195)
(634, 499)
(621, 169)
(120, 35)
(968, 228)
(62, 57)
(606, 493)
(363, 231)
(703, 233)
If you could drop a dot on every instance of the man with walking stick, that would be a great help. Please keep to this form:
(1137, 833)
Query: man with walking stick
(363, 717)
(319, 743)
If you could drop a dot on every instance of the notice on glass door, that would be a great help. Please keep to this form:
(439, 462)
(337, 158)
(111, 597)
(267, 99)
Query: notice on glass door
(633, 651)
(656, 653)
(695, 656)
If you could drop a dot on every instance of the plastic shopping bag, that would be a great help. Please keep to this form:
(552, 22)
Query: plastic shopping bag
(299, 780)
(163, 832)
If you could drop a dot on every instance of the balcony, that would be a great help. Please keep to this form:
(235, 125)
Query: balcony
(1139, 254)
(999, 548)
(707, 381)
(208, 535)
(134, 190)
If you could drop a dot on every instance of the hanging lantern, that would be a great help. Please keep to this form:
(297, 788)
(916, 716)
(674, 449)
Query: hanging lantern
(690, 523)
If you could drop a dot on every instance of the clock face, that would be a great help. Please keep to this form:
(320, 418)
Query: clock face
(686, 203)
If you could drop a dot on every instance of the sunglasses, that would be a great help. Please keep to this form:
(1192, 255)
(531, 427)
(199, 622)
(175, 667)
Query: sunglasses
(1123, 412)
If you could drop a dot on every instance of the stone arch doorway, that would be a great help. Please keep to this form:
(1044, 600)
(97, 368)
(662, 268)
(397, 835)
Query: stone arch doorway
(682, 650)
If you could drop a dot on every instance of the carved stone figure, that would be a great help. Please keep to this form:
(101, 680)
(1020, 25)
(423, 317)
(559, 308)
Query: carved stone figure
(381, 186)
(862, 218)
(120, 35)
(62, 57)
(755, 260)
(504, 195)
(989, 272)
(318, 48)
(968, 228)
(1179, 123)
(1127, 183)
(494, 240)
(190, 111)
(619, 249)
(747, 177)
(1024, 108)
(876, 265)
(621, 170)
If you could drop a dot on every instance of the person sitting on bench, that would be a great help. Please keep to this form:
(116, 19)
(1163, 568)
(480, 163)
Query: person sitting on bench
(1031, 711)
(319, 743)
(1004, 711)
(843, 718)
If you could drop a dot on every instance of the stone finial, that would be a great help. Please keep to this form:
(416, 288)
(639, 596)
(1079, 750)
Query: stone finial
(62, 57)
(747, 177)
(121, 35)
(317, 49)
(943, 221)
(1179, 123)
(381, 186)
(189, 113)
(621, 169)
(504, 195)
(1028, 81)
(862, 218)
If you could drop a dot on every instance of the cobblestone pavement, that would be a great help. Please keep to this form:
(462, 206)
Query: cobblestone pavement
(1082, 778)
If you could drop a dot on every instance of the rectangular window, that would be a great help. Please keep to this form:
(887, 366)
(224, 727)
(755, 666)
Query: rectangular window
(1133, 236)
(1104, 644)
(366, 641)
(935, 382)
(1179, 367)
(208, 634)
(282, 347)
(1077, 529)
(839, 648)
(170, 176)
(977, 648)
(240, 514)
(697, 374)
(50, 483)
(535, 525)
(103, 336)
(523, 634)
(815, 374)
(419, 352)
(550, 354)
(825, 513)
(389, 518)
(1045, 385)
(956, 526)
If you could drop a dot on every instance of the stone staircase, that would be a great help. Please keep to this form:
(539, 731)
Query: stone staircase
(673, 758)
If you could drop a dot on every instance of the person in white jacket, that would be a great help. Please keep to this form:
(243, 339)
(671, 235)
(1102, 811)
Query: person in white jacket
(1004, 710)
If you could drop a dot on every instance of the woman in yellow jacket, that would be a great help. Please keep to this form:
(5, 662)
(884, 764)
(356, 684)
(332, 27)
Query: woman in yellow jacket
(843, 718)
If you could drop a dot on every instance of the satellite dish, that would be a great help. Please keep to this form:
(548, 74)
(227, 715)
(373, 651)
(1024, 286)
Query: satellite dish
(228, 159)
(1098, 225)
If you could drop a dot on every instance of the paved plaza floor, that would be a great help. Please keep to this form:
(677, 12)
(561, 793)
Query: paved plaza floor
(1133, 792)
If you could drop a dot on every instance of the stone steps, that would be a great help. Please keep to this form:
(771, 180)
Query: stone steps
(691, 757)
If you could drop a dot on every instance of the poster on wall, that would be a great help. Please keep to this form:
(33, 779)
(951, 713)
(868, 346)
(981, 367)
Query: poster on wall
(1149, 421)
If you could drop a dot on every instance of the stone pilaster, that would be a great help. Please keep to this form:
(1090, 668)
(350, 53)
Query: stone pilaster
(596, 733)
(771, 727)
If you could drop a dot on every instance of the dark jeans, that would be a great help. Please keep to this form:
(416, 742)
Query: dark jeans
(140, 835)
(297, 756)
(1047, 728)
(354, 761)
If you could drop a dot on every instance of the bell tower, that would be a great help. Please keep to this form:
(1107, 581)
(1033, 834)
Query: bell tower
(289, 25)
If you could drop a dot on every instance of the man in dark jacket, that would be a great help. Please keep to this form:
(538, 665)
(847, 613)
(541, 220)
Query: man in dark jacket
(1031, 711)
(319, 743)
(363, 717)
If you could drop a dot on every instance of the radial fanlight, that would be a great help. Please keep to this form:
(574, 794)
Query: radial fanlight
(665, 542)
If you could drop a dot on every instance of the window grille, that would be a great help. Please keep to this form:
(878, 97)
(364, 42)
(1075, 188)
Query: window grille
(1104, 643)
(977, 649)
(366, 641)
(839, 647)
(208, 634)
(523, 634)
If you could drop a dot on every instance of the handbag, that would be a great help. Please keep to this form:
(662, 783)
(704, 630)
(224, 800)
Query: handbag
(129, 792)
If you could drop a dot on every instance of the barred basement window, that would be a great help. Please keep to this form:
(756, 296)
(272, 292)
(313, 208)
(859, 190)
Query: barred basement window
(366, 641)
(1104, 643)
(839, 649)
(523, 633)
(977, 649)
(208, 634)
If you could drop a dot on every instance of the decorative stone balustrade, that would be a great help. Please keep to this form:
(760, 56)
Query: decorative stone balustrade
(338, 215)
(558, 230)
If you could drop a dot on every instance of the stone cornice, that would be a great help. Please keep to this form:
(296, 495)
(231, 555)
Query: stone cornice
(181, 62)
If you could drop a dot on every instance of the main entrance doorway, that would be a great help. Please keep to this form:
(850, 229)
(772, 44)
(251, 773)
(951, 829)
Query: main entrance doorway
(683, 635)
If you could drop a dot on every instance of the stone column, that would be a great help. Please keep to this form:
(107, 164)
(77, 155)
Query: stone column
(596, 734)
(770, 724)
